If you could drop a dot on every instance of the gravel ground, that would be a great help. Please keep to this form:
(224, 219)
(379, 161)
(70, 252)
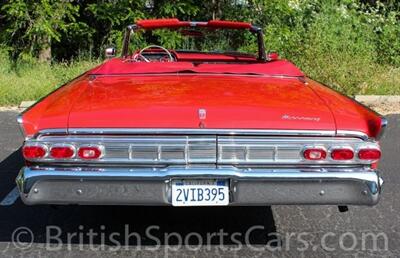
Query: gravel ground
(11, 108)
(386, 108)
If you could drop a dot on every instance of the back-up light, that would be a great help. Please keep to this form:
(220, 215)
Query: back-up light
(34, 151)
(62, 152)
(342, 154)
(92, 152)
(369, 154)
(314, 154)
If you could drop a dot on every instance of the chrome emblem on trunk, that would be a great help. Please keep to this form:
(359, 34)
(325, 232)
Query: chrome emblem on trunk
(202, 114)
(202, 117)
(301, 118)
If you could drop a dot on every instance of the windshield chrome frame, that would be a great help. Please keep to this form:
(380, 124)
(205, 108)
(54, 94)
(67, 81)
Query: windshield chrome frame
(262, 56)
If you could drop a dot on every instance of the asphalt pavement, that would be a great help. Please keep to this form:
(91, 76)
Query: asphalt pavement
(120, 231)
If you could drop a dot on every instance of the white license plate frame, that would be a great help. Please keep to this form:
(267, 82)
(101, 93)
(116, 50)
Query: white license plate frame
(199, 192)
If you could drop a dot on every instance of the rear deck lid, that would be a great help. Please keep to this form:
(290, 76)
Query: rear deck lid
(200, 101)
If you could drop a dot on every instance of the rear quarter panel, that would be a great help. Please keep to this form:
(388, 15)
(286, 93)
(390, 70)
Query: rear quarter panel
(348, 113)
(52, 111)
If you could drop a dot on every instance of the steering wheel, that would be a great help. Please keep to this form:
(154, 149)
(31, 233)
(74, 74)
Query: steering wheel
(139, 55)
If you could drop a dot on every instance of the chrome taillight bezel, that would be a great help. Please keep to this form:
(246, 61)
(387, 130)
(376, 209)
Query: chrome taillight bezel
(368, 147)
(99, 147)
(345, 147)
(315, 147)
(257, 150)
(63, 145)
(36, 144)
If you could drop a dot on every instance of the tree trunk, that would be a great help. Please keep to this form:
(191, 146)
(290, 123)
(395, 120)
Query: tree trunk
(45, 49)
(213, 9)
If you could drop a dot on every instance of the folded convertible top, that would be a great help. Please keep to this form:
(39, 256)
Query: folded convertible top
(120, 66)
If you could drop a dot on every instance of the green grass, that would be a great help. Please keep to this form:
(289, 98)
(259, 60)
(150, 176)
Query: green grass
(386, 81)
(353, 78)
(32, 80)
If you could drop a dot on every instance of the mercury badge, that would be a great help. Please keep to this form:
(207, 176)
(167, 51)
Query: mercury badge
(202, 116)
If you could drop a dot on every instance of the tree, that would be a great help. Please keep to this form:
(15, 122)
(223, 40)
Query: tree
(31, 25)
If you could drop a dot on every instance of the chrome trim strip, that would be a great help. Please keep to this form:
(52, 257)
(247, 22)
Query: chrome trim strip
(220, 171)
(180, 74)
(151, 186)
(200, 149)
(384, 124)
(274, 149)
(192, 131)
(20, 122)
(139, 149)
(180, 131)
(46, 132)
(130, 29)
(199, 131)
(347, 133)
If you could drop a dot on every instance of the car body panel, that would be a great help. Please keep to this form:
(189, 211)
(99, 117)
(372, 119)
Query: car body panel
(104, 99)
(349, 114)
(53, 110)
(240, 102)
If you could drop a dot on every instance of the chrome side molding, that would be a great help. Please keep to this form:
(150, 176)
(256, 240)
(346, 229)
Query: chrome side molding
(180, 131)
(20, 122)
(384, 124)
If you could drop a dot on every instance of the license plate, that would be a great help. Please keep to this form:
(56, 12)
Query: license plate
(200, 193)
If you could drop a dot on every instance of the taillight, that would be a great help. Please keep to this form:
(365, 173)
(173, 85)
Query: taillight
(92, 152)
(62, 152)
(342, 154)
(369, 154)
(314, 154)
(34, 151)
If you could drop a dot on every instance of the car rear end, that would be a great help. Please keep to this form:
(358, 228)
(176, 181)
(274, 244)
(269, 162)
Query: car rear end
(197, 167)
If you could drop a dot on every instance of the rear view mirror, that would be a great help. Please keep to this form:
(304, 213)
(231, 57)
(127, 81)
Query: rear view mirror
(110, 52)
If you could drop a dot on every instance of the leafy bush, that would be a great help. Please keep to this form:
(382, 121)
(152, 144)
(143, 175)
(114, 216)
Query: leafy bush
(344, 44)
(339, 49)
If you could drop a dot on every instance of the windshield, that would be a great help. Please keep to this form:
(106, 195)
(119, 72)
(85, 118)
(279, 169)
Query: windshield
(208, 40)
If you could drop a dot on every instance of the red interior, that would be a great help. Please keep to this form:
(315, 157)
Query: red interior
(207, 57)
(121, 66)
(203, 56)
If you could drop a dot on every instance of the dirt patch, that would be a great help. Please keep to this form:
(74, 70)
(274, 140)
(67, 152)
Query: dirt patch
(385, 108)
(16, 109)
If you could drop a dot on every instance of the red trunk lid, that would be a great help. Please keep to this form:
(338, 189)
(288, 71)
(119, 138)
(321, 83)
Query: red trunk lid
(174, 101)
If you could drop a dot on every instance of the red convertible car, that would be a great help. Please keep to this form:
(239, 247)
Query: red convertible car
(203, 118)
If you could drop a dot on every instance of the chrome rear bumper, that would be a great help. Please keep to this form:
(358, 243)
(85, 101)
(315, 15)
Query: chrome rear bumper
(124, 186)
